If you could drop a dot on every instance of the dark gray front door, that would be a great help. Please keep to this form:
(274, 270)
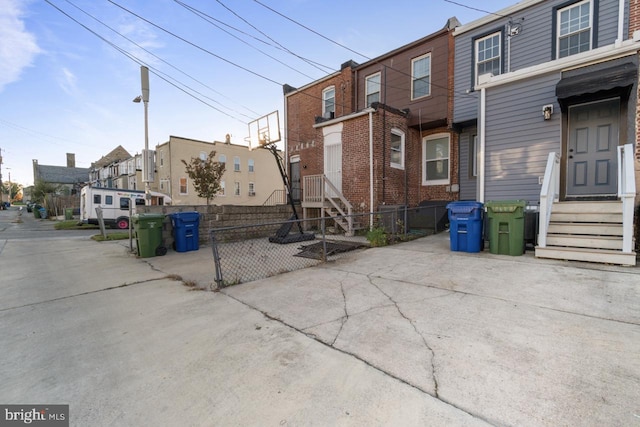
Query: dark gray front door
(592, 149)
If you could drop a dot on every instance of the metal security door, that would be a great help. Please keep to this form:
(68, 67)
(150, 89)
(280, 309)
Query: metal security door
(592, 149)
(294, 174)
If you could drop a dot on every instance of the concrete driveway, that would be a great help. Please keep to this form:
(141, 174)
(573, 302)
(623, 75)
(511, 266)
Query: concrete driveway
(406, 335)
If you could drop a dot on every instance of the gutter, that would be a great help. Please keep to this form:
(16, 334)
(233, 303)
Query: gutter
(606, 53)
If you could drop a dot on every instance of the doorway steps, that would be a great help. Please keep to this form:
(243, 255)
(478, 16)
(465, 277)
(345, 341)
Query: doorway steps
(586, 231)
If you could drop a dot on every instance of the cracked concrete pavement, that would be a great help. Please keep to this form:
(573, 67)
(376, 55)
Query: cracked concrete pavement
(411, 334)
(508, 340)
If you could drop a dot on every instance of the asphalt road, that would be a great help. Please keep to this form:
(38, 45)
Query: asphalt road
(20, 224)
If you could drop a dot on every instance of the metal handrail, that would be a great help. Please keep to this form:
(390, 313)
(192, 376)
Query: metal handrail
(549, 193)
(277, 197)
(627, 193)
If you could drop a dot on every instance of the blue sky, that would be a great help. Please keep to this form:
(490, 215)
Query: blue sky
(65, 90)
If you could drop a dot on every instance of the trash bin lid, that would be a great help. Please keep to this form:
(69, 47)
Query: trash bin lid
(464, 206)
(505, 205)
(185, 216)
(145, 217)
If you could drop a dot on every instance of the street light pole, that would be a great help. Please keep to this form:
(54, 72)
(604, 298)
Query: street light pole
(146, 163)
(147, 157)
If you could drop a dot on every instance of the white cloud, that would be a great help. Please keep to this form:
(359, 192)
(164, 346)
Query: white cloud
(18, 47)
(67, 81)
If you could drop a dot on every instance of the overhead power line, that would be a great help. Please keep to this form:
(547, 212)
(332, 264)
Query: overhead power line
(474, 8)
(172, 66)
(311, 30)
(209, 19)
(273, 40)
(197, 46)
(153, 70)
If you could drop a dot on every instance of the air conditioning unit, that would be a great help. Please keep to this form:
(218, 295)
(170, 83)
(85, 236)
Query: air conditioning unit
(329, 115)
(252, 193)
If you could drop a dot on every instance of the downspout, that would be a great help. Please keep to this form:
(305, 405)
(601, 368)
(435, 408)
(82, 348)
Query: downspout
(371, 169)
(170, 171)
(384, 141)
(286, 139)
(620, 38)
(481, 151)
(509, 47)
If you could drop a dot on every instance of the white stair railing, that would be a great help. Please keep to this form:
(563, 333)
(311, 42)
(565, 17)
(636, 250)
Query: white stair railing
(549, 193)
(626, 193)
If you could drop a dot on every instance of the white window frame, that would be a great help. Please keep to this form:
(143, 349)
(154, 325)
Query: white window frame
(186, 185)
(236, 188)
(222, 159)
(252, 189)
(446, 158)
(251, 165)
(372, 87)
(569, 34)
(478, 62)
(329, 94)
(414, 78)
(399, 133)
(236, 164)
(222, 191)
(203, 156)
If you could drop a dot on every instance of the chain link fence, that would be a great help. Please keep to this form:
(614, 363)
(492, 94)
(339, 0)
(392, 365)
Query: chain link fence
(246, 253)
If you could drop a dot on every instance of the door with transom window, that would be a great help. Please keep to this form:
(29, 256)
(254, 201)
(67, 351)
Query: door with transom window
(333, 157)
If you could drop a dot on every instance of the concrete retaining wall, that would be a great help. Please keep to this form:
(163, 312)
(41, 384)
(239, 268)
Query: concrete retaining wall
(218, 217)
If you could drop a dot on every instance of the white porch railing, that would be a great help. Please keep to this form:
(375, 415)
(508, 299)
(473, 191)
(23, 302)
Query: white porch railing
(315, 190)
(549, 193)
(626, 193)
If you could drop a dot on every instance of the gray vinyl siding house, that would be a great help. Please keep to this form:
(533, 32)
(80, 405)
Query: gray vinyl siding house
(517, 138)
(545, 106)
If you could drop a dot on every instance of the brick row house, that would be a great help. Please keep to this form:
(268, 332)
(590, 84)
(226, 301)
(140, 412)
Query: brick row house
(536, 102)
(375, 134)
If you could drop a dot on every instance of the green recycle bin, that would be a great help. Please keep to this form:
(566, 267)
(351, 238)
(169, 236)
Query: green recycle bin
(506, 226)
(68, 213)
(148, 230)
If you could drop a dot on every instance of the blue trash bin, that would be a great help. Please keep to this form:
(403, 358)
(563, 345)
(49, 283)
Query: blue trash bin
(465, 226)
(185, 231)
(43, 213)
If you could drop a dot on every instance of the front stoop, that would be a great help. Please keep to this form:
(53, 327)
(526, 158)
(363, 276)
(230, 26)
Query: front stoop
(588, 255)
(586, 231)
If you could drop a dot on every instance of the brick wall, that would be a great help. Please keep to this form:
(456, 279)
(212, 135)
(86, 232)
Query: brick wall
(391, 186)
(303, 107)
